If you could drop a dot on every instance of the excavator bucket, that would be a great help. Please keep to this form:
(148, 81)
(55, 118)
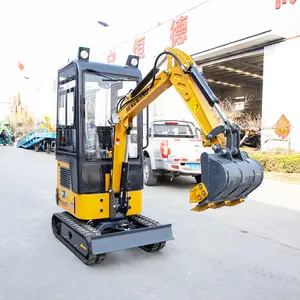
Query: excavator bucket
(226, 181)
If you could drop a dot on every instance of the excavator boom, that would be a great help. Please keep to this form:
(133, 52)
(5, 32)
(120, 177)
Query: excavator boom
(228, 175)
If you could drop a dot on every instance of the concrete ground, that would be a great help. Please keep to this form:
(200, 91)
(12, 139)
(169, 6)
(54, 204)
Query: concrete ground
(251, 251)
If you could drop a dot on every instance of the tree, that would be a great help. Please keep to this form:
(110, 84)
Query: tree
(250, 123)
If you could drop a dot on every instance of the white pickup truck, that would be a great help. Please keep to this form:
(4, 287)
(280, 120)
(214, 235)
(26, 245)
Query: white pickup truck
(174, 149)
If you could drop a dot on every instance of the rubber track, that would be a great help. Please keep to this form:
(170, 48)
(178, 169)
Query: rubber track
(85, 231)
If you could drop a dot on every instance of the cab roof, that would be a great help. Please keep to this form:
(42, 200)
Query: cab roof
(83, 65)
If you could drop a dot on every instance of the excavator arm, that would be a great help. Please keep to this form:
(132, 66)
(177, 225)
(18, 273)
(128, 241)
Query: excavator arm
(228, 175)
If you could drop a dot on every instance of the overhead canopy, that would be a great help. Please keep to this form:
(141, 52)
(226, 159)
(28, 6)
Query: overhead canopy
(240, 72)
(250, 43)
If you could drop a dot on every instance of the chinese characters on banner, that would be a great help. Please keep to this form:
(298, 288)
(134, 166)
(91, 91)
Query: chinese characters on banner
(139, 47)
(111, 57)
(178, 31)
(20, 66)
(281, 2)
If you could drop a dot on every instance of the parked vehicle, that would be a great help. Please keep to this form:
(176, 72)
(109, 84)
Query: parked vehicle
(9, 140)
(174, 150)
(252, 140)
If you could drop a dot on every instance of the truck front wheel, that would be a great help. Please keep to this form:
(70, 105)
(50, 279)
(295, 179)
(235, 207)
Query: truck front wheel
(149, 178)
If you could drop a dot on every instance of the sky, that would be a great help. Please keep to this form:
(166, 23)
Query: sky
(43, 34)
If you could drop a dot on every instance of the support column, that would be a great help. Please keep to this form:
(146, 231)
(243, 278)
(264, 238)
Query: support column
(281, 96)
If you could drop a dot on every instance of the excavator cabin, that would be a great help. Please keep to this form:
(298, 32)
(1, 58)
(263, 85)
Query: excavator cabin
(86, 92)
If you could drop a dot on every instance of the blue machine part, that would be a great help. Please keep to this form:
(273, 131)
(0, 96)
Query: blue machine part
(34, 137)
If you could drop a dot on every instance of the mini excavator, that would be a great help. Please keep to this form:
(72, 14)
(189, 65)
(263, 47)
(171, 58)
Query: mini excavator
(100, 184)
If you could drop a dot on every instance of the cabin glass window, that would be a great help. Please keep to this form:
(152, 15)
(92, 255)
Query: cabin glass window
(66, 130)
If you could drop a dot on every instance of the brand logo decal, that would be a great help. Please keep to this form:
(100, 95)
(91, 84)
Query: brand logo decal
(136, 101)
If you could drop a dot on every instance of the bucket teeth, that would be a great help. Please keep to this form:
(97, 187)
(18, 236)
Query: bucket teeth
(204, 206)
(199, 194)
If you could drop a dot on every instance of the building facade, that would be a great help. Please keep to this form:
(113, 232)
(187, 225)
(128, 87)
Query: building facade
(242, 47)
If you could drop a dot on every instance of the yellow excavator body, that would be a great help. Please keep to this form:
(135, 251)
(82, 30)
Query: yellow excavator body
(100, 182)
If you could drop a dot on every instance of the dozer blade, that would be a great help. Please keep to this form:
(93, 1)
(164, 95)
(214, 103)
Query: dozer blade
(226, 181)
(131, 239)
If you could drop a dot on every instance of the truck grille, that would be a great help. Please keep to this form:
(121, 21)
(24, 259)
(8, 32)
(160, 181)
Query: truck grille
(65, 177)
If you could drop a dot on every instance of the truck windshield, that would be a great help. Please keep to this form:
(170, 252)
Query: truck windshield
(173, 130)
